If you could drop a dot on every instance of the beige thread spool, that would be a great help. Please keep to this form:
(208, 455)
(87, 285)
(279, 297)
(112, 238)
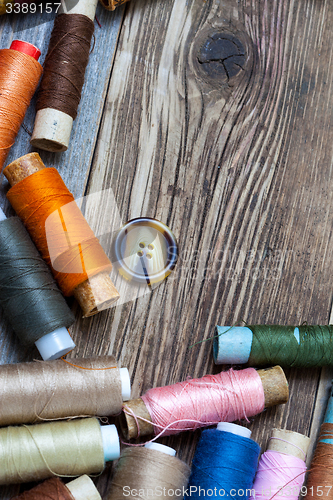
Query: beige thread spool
(52, 129)
(273, 380)
(98, 292)
(81, 488)
(36, 452)
(36, 392)
(148, 470)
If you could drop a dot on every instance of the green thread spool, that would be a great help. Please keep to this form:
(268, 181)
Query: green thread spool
(31, 300)
(260, 345)
(35, 452)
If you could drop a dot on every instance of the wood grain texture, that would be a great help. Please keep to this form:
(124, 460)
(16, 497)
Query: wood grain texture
(239, 169)
(238, 166)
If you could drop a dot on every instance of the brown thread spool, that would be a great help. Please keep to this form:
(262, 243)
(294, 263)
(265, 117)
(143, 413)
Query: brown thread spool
(41, 391)
(273, 381)
(20, 73)
(320, 479)
(81, 488)
(52, 129)
(149, 470)
(68, 449)
(96, 293)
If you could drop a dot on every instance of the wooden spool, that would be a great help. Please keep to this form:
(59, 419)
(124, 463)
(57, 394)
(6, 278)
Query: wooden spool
(273, 380)
(96, 293)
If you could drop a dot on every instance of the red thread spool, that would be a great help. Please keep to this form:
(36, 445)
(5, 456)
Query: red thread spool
(20, 73)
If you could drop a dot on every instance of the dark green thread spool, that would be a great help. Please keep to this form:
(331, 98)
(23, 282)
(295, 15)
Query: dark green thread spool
(260, 345)
(31, 300)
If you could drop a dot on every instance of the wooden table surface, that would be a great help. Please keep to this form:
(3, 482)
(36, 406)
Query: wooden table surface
(215, 118)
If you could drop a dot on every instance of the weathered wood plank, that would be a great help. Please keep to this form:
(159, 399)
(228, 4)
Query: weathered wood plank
(240, 170)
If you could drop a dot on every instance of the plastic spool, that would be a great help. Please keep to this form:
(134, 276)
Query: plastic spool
(111, 443)
(232, 344)
(125, 384)
(234, 429)
(52, 129)
(162, 448)
(55, 344)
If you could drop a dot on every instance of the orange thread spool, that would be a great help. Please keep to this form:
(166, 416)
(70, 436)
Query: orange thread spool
(20, 73)
(58, 228)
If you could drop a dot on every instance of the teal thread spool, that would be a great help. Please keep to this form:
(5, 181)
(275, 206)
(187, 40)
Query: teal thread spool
(260, 345)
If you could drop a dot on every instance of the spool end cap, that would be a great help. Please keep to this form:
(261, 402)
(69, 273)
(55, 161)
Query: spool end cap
(125, 384)
(26, 48)
(111, 444)
(239, 430)
(162, 448)
(55, 344)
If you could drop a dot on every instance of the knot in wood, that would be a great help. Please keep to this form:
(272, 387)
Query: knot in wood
(222, 56)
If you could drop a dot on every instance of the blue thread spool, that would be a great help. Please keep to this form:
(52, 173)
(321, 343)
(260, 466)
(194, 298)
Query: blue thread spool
(224, 464)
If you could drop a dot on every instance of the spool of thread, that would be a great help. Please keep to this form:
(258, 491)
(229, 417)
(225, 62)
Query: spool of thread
(61, 233)
(224, 464)
(282, 467)
(227, 396)
(36, 452)
(81, 488)
(31, 301)
(37, 391)
(20, 73)
(64, 69)
(260, 345)
(149, 472)
(320, 478)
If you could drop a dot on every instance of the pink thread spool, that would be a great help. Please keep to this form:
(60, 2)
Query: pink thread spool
(227, 396)
(282, 467)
